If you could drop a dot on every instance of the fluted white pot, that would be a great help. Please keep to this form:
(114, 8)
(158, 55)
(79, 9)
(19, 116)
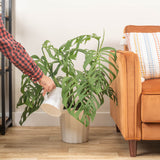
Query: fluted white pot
(72, 130)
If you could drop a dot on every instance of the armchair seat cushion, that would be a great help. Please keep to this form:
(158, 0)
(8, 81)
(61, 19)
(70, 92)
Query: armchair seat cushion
(151, 86)
(150, 101)
(150, 108)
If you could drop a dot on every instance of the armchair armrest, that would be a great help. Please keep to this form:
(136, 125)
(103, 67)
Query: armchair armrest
(128, 87)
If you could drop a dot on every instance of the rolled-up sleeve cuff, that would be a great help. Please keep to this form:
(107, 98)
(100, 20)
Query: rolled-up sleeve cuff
(37, 76)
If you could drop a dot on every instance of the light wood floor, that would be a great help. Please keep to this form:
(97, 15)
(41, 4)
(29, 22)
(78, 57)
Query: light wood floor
(44, 143)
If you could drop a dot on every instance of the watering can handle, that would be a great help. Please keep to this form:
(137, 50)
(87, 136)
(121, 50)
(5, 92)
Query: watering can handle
(54, 92)
(45, 96)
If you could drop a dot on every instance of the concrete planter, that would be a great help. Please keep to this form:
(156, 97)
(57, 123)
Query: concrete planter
(73, 131)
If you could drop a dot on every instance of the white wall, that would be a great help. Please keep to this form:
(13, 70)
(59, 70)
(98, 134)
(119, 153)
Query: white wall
(59, 20)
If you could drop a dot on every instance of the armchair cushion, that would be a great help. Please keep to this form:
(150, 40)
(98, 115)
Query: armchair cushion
(147, 46)
(151, 86)
(150, 109)
(150, 101)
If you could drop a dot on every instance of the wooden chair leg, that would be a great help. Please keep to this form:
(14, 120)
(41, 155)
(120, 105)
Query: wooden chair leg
(133, 148)
(117, 129)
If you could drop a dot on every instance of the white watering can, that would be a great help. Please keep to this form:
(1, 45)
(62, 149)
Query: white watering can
(52, 103)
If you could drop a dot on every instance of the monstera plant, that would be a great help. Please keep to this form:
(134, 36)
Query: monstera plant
(82, 90)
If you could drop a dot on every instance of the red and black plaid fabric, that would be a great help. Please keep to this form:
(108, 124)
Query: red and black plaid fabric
(17, 55)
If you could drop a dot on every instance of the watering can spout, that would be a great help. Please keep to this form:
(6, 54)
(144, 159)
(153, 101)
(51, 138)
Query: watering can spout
(52, 103)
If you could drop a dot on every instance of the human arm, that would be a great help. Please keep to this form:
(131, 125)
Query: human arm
(17, 55)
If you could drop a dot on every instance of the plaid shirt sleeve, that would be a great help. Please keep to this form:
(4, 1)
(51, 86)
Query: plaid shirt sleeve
(17, 55)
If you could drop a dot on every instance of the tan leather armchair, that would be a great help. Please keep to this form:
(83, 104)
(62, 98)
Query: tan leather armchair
(137, 115)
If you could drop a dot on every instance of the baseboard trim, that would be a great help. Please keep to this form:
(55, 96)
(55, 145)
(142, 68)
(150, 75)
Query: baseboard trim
(43, 119)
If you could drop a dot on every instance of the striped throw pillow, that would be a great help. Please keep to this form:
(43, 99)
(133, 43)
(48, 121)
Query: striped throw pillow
(147, 46)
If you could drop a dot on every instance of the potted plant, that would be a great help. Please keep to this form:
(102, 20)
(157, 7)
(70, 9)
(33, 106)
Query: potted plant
(82, 90)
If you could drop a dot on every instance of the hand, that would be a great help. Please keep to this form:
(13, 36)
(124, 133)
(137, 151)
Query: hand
(47, 84)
